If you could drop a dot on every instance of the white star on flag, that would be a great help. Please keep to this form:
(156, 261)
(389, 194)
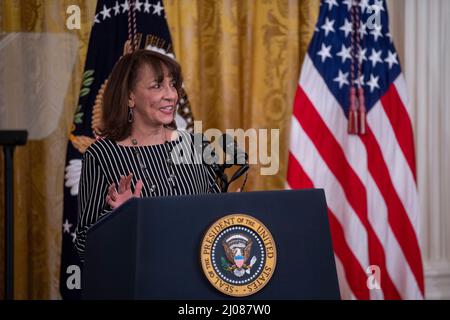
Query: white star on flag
(363, 4)
(348, 3)
(391, 59)
(325, 52)
(373, 82)
(376, 32)
(116, 9)
(378, 6)
(147, 6)
(137, 5)
(362, 30)
(375, 57)
(389, 35)
(360, 81)
(362, 55)
(346, 27)
(157, 8)
(328, 26)
(67, 226)
(341, 78)
(344, 53)
(105, 12)
(125, 6)
(331, 3)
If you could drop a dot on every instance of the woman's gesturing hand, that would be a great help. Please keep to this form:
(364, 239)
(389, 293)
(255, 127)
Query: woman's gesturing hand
(115, 197)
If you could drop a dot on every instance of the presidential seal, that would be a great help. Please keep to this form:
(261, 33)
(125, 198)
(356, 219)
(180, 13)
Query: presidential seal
(238, 255)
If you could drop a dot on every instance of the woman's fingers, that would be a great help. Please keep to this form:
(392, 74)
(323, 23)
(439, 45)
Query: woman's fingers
(111, 202)
(122, 184)
(112, 192)
(138, 189)
(128, 182)
(116, 197)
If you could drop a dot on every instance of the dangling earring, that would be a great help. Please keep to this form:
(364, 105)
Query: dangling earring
(130, 115)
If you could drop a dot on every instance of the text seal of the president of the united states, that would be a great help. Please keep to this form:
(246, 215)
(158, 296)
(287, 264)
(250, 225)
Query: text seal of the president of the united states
(238, 255)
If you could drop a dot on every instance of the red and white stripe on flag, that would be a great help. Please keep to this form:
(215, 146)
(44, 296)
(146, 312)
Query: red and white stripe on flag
(369, 180)
(369, 183)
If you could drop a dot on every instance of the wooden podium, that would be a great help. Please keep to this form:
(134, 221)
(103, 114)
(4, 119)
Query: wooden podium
(150, 248)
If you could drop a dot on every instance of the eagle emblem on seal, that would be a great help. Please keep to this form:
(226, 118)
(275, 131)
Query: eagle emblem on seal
(237, 250)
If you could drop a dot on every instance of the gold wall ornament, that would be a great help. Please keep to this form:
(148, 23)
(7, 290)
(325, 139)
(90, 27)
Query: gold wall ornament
(238, 255)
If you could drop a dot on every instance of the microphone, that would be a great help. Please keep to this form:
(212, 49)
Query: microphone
(205, 150)
(231, 148)
(239, 157)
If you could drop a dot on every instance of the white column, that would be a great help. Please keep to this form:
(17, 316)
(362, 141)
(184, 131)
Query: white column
(425, 42)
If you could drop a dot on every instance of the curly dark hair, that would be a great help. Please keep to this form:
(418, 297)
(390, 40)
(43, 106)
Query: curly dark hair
(121, 82)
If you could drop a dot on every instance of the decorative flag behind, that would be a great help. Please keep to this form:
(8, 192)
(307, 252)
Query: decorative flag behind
(112, 25)
(369, 179)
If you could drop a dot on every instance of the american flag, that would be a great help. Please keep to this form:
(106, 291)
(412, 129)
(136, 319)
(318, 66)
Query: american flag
(369, 179)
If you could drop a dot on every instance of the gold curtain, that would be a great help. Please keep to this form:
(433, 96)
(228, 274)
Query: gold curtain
(39, 166)
(241, 61)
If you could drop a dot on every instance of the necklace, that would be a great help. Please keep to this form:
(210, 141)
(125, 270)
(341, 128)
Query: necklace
(145, 170)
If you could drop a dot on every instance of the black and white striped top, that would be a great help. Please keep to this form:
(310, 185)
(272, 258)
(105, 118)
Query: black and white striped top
(105, 161)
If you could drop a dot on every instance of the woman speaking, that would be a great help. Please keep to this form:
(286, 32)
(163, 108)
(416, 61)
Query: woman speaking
(133, 158)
